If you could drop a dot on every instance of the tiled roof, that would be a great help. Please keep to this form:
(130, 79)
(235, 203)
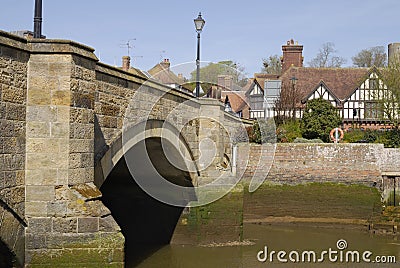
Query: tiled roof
(237, 99)
(341, 81)
(262, 77)
(164, 75)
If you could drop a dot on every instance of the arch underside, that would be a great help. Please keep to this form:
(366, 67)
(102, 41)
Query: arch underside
(146, 223)
(137, 133)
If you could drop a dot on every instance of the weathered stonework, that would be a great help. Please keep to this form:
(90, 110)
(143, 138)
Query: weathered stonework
(341, 163)
(13, 88)
(61, 117)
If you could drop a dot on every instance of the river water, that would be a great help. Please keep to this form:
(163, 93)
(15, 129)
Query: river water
(289, 239)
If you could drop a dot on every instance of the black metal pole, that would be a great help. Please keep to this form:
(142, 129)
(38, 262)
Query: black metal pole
(394, 191)
(198, 67)
(37, 21)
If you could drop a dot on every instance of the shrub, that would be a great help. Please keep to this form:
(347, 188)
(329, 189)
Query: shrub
(319, 118)
(389, 138)
(303, 140)
(262, 131)
(289, 131)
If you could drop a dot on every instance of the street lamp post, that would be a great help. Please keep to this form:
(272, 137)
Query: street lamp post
(199, 24)
(37, 20)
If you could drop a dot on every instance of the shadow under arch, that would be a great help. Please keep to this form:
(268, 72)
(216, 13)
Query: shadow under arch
(146, 223)
(7, 258)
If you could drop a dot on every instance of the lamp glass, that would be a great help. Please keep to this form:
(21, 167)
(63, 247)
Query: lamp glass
(199, 23)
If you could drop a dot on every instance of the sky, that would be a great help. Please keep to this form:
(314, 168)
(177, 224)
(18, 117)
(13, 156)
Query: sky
(242, 31)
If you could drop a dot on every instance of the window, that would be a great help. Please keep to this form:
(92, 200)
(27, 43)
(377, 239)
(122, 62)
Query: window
(371, 110)
(372, 83)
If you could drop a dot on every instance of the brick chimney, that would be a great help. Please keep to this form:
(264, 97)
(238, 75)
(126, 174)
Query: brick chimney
(165, 64)
(126, 63)
(292, 55)
(225, 81)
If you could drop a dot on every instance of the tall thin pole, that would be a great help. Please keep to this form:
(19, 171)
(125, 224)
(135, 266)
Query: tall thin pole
(394, 191)
(37, 21)
(198, 67)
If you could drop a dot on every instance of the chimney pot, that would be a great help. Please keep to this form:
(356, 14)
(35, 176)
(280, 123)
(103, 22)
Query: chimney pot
(166, 64)
(126, 63)
(292, 55)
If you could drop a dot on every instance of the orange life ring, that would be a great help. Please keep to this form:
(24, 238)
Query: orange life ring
(332, 134)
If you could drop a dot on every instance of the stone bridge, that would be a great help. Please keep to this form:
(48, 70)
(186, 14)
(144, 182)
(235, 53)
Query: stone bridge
(67, 121)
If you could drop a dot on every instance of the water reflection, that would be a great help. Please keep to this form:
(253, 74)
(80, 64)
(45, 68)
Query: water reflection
(288, 238)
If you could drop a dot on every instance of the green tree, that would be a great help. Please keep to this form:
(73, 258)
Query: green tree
(272, 65)
(389, 101)
(326, 57)
(374, 56)
(209, 73)
(319, 118)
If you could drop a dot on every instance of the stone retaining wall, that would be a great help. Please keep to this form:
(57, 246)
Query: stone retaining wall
(302, 163)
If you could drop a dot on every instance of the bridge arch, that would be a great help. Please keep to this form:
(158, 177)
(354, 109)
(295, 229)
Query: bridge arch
(134, 134)
(145, 222)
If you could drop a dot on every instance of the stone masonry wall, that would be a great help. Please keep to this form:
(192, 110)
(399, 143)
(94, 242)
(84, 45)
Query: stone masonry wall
(67, 223)
(60, 111)
(125, 98)
(13, 85)
(390, 161)
(302, 163)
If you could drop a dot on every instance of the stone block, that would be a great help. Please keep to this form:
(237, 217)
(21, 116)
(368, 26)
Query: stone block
(14, 95)
(14, 162)
(10, 179)
(43, 145)
(60, 130)
(81, 145)
(7, 128)
(63, 114)
(8, 228)
(40, 193)
(15, 112)
(35, 129)
(41, 113)
(46, 161)
(35, 241)
(57, 209)
(80, 175)
(61, 97)
(39, 97)
(41, 177)
(88, 191)
(74, 160)
(36, 209)
(65, 225)
(39, 225)
(62, 176)
(87, 160)
(88, 225)
(59, 69)
(2, 110)
(108, 224)
(82, 131)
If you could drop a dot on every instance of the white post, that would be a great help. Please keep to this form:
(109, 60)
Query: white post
(234, 156)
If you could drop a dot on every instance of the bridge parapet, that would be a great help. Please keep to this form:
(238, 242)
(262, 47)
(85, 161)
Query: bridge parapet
(62, 114)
